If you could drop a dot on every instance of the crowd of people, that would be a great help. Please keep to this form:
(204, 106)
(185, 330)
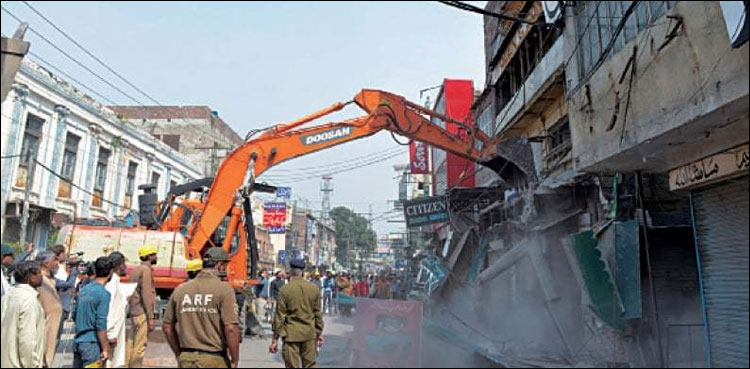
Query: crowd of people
(331, 285)
(42, 290)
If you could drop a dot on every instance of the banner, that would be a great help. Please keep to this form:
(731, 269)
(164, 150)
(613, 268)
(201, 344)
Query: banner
(274, 217)
(387, 334)
(418, 157)
(425, 210)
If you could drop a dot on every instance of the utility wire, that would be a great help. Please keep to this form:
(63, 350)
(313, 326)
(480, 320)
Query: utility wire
(90, 53)
(45, 39)
(77, 186)
(478, 10)
(331, 170)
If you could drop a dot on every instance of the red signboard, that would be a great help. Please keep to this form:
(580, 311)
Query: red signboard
(387, 334)
(459, 95)
(418, 158)
(274, 217)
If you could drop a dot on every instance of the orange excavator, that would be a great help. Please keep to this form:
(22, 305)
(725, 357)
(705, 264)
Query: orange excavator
(235, 179)
(183, 227)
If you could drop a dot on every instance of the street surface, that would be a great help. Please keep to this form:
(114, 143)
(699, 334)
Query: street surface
(253, 351)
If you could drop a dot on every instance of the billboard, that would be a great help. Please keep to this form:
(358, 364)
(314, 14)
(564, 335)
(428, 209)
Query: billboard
(425, 210)
(387, 334)
(418, 158)
(274, 217)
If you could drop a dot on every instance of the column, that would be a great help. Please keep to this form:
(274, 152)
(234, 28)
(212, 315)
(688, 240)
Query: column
(93, 150)
(58, 150)
(167, 179)
(120, 162)
(20, 93)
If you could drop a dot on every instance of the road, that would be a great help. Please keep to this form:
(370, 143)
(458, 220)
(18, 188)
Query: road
(253, 352)
(337, 334)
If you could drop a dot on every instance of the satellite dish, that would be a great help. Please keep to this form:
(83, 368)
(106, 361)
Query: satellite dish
(552, 10)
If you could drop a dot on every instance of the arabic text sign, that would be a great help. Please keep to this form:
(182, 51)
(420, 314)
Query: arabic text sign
(387, 333)
(427, 210)
(274, 217)
(710, 169)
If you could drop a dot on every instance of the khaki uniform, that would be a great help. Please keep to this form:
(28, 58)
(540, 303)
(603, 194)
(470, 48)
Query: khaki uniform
(298, 321)
(200, 309)
(142, 303)
(53, 311)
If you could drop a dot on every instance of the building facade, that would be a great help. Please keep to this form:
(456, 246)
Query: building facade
(84, 162)
(619, 219)
(670, 97)
(195, 131)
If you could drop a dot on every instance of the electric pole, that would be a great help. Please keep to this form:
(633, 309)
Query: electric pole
(325, 189)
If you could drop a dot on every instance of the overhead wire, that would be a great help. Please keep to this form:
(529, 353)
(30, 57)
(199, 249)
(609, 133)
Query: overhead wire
(105, 65)
(76, 61)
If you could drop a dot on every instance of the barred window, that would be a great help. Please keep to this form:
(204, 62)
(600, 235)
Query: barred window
(100, 181)
(32, 137)
(596, 22)
(70, 156)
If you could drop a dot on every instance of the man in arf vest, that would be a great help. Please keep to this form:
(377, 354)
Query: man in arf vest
(204, 310)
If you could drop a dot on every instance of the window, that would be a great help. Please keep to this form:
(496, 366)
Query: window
(100, 181)
(597, 22)
(558, 144)
(130, 185)
(172, 184)
(30, 146)
(68, 165)
(155, 180)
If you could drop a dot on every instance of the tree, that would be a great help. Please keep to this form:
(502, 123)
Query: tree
(353, 233)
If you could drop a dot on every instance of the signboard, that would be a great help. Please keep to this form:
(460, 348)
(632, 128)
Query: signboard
(274, 217)
(418, 158)
(282, 257)
(387, 334)
(426, 210)
(726, 164)
(284, 192)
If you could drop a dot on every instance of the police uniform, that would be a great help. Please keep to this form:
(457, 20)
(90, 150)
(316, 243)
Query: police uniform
(298, 321)
(200, 308)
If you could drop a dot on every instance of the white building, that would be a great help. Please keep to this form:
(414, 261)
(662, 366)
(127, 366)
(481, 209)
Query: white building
(90, 163)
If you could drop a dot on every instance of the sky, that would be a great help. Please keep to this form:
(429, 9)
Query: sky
(260, 64)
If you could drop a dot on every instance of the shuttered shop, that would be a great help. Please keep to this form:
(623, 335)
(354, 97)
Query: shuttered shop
(721, 224)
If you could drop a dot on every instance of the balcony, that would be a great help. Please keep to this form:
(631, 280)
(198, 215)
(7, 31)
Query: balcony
(532, 88)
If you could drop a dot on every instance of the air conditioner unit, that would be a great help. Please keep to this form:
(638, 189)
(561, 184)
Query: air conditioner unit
(13, 210)
(552, 10)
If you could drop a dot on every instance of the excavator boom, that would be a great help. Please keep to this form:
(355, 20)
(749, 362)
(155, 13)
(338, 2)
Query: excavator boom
(385, 111)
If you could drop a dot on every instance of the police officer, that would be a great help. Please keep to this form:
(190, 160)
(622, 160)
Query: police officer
(205, 310)
(298, 320)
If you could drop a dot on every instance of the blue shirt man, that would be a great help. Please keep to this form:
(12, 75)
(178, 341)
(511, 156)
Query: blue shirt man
(91, 344)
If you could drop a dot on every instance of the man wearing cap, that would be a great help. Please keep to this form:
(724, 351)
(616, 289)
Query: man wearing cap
(298, 320)
(142, 303)
(118, 305)
(7, 264)
(205, 311)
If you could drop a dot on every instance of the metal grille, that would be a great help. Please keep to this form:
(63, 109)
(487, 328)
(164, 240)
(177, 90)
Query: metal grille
(721, 220)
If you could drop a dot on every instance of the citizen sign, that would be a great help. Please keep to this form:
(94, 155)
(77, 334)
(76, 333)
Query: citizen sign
(425, 211)
(326, 136)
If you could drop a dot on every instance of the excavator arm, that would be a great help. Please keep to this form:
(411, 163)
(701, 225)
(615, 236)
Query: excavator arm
(385, 111)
